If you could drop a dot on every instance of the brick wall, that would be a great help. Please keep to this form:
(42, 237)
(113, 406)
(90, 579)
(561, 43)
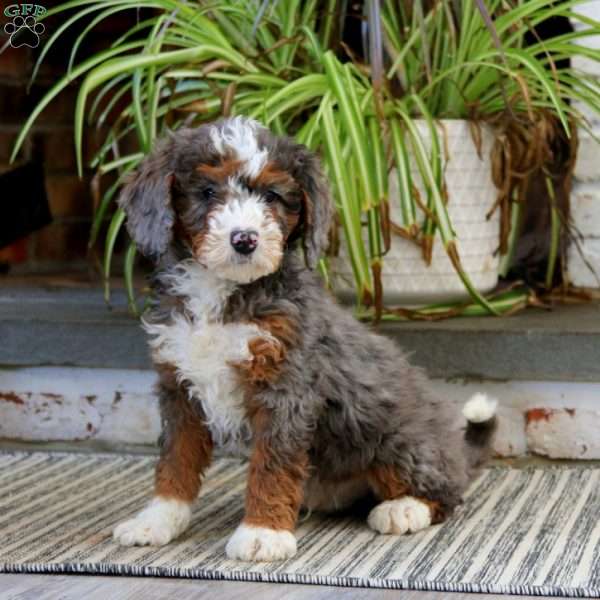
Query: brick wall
(585, 195)
(51, 141)
(62, 244)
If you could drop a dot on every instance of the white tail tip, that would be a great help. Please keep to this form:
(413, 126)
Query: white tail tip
(480, 408)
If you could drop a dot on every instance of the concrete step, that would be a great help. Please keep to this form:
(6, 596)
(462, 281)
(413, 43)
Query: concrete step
(73, 371)
(73, 327)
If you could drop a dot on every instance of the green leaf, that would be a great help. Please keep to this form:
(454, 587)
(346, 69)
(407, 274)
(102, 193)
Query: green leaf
(128, 272)
(402, 162)
(62, 83)
(343, 87)
(116, 67)
(111, 237)
(347, 205)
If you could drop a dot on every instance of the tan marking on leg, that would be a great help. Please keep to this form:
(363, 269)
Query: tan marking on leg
(187, 453)
(387, 484)
(438, 514)
(275, 483)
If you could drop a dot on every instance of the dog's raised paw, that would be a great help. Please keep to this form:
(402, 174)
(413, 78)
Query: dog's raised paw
(159, 523)
(260, 544)
(404, 515)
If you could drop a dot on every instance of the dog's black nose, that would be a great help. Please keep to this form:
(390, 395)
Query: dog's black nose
(244, 241)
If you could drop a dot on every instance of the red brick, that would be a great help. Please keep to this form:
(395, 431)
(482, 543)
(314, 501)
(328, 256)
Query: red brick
(93, 138)
(56, 148)
(60, 111)
(68, 196)
(14, 103)
(7, 141)
(60, 242)
(15, 63)
(17, 252)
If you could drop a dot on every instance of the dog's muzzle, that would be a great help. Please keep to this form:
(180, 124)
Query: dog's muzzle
(244, 241)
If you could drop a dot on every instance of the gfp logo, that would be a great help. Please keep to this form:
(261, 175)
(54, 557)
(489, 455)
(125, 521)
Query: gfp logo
(24, 30)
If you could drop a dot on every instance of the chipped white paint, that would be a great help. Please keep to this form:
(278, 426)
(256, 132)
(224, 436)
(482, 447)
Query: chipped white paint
(564, 433)
(510, 439)
(515, 398)
(523, 395)
(51, 403)
(119, 406)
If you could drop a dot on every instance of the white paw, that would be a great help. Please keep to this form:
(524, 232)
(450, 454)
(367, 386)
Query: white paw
(260, 544)
(159, 523)
(405, 515)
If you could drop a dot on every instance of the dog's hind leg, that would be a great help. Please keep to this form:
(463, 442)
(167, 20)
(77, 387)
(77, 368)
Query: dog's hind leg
(186, 451)
(399, 511)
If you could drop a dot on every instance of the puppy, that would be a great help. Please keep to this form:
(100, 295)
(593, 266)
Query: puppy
(256, 359)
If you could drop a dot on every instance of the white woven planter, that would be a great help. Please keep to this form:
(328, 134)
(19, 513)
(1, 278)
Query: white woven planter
(585, 215)
(471, 194)
(585, 194)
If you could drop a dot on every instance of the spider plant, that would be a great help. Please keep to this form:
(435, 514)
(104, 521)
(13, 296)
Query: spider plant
(285, 64)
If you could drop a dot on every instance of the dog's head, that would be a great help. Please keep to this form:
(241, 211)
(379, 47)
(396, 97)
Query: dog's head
(236, 196)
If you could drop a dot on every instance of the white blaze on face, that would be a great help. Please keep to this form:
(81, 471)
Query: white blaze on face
(238, 137)
(242, 211)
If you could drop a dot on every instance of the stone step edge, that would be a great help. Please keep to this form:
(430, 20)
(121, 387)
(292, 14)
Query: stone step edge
(74, 328)
(117, 408)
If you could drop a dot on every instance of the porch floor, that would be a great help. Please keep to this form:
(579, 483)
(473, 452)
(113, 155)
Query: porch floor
(67, 587)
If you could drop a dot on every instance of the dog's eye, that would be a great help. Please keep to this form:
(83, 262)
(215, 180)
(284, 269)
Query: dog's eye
(208, 193)
(271, 197)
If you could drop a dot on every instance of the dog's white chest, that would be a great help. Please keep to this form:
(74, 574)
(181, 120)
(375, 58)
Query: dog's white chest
(202, 349)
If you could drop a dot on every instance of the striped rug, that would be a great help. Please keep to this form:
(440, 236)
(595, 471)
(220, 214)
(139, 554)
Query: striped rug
(532, 531)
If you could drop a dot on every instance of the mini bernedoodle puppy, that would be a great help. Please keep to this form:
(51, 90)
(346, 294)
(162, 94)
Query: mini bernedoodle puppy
(256, 359)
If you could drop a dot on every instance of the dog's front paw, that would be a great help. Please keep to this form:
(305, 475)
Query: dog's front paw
(260, 544)
(159, 523)
(404, 515)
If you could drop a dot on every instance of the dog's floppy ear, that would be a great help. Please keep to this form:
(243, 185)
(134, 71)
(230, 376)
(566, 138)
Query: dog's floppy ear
(146, 200)
(317, 205)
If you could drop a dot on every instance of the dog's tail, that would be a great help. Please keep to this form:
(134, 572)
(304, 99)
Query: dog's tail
(480, 412)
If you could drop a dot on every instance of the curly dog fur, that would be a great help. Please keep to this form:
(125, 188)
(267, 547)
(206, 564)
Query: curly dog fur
(256, 359)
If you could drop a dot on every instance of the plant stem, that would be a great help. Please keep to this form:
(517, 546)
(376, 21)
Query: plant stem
(513, 236)
(555, 228)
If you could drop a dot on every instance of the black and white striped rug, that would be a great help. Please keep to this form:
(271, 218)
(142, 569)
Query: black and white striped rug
(532, 531)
